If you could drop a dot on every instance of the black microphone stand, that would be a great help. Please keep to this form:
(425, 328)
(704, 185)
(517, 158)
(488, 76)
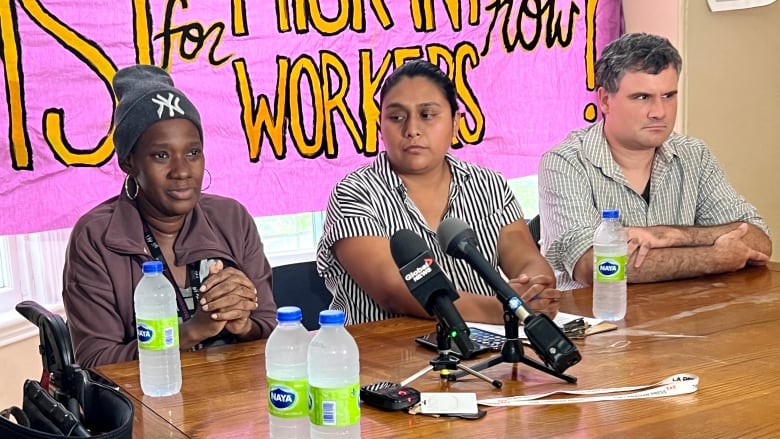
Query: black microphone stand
(512, 351)
(444, 362)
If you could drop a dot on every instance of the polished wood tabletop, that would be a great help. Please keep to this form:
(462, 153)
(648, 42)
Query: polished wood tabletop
(722, 328)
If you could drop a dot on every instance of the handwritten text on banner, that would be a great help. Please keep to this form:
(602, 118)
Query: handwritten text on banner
(287, 89)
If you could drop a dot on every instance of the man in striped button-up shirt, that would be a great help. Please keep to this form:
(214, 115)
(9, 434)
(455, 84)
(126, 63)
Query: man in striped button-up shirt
(683, 217)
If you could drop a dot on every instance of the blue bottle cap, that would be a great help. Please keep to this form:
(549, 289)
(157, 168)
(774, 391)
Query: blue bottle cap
(289, 314)
(610, 214)
(152, 267)
(332, 317)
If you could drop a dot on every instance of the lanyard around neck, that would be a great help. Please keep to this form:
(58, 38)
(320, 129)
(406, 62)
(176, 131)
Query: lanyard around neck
(193, 269)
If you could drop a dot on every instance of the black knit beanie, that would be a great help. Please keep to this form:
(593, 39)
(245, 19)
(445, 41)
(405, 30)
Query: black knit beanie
(146, 95)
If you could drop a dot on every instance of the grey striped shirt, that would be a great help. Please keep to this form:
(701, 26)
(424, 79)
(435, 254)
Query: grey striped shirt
(372, 201)
(579, 178)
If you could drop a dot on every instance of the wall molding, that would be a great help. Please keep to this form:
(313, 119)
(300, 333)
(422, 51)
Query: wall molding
(15, 328)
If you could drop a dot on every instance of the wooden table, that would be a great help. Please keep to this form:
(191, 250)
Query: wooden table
(722, 328)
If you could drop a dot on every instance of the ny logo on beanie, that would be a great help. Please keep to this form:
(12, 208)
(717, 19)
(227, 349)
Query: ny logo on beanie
(143, 91)
(172, 104)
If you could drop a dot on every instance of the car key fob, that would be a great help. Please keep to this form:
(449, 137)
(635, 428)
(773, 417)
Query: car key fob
(389, 396)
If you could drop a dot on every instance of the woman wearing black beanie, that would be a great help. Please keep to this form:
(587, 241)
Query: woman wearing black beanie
(209, 245)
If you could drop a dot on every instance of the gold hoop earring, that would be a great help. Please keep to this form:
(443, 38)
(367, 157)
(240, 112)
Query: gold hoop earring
(208, 185)
(127, 188)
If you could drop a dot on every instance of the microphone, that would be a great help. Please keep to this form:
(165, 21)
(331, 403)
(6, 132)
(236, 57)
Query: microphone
(430, 286)
(546, 338)
(460, 241)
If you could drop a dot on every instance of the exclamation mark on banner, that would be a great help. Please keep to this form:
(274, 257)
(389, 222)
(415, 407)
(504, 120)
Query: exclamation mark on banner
(238, 18)
(590, 112)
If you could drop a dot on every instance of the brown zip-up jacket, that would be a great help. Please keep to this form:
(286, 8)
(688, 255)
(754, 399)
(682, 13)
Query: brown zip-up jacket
(103, 266)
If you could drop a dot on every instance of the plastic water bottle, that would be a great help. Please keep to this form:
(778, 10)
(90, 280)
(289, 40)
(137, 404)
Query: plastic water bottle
(157, 325)
(334, 380)
(610, 256)
(286, 372)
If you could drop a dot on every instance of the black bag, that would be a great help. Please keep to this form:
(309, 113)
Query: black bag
(68, 402)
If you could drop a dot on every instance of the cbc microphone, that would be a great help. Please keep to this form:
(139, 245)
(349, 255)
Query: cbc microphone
(429, 285)
(546, 338)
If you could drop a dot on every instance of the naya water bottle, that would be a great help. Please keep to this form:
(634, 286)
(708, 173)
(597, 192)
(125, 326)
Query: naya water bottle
(610, 256)
(286, 373)
(334, 380)
(157, 325)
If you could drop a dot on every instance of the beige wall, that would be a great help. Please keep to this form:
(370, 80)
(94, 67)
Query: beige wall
(660, 17)
(19, 361)
(733, 97)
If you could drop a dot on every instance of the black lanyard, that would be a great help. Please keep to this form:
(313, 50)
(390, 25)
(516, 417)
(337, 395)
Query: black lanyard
(193, 269)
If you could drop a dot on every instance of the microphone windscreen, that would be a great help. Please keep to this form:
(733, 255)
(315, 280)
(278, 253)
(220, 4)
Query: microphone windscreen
(405, 245)
(451, 231)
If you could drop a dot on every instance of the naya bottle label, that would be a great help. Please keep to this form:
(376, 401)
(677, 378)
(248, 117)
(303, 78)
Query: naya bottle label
(288, 399)
(334, 407)
(610, 268)
(159, 334)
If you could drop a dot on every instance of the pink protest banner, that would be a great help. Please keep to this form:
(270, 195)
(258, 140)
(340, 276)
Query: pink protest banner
(287, 89)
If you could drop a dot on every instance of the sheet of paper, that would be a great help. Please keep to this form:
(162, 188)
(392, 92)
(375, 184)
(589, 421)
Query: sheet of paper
(448, 403)
(560, 319)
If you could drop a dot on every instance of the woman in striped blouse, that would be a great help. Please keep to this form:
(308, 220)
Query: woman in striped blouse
(415, 184)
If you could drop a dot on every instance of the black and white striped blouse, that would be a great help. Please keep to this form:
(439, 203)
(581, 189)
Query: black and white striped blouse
(372, 201)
